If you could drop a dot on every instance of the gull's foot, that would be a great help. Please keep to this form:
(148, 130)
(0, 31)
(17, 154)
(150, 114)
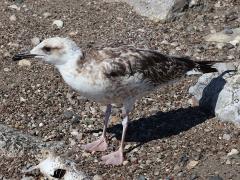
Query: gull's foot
(114, 158)
(98, 145)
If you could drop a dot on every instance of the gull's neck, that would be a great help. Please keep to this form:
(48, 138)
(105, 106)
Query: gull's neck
(73, 62)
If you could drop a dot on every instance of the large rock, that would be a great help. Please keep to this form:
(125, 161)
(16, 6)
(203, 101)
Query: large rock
(157, 10)
(15, 144)
(219, 93)
(227, 35)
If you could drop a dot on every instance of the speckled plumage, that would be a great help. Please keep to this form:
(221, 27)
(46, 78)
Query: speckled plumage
(113, 76)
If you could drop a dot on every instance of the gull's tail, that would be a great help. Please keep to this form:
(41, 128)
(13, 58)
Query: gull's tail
(202, 67)
(206, 66)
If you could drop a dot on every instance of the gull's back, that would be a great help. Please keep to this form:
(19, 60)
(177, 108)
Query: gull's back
(128, 72)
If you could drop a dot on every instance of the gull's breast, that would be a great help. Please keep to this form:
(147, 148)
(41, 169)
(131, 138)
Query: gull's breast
(95, 85)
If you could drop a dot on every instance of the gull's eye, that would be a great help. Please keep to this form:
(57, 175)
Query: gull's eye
(46, 49)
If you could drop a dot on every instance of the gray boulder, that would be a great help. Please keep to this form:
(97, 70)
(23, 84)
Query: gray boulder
(227, 35)
(15, 144)
(219, 93)
(157, 10)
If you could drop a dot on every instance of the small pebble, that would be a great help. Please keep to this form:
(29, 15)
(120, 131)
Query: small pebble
(220, 45)
(230, 57)
(85, 154)
(76, 119)
(14, 7)
(228, 162)
(22, 99)
(6, 69)
(125, 163)
(58, 23)
(156, 172)
(215, 178)
(13, 18)
(141, 177)
(235, 42)
(6, 54)
(233, 152)
(229, 46)
(24, 62)
(97, 177)
(228, 30)
(226, 137)
(191, 164)
(68, 114)
(127, 146)
(35, 41)
(47, 15)
(40, 125)
(19, 1)
(73, 33)
(95, 134)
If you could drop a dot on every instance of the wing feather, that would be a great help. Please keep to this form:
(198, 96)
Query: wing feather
(154, 66)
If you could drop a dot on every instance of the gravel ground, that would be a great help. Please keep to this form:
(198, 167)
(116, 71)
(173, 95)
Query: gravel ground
(167, 138)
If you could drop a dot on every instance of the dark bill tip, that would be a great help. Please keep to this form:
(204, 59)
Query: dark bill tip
(19, 57)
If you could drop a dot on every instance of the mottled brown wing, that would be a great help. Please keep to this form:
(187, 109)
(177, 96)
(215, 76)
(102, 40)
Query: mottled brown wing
(155, 67)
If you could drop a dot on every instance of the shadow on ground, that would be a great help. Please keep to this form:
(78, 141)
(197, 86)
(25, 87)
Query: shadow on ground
(162, 124)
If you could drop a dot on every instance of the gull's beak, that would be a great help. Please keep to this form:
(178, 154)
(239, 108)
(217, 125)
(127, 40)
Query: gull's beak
(21, 56)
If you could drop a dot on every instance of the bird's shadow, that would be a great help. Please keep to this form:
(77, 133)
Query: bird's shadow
(166, 124)
(162, 124)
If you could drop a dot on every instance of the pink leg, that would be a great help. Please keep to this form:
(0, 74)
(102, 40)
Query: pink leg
(100, 144)
(116, 158)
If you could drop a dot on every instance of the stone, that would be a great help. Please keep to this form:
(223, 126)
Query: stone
(6, 69)
(229, 45)
(156, 172)
(226, 137)
(35, 41)
(58, 23)
(40, 124)
(76, 134)
(226, 36)
(76, 119)
(19, 1)
(47, 15)
(68, 114)
(191, 164)
(219, 92)
(13, 18)
(15, 7)
(27, 178)
(194, 3)
(233, 152)
(217, 177)
(157, 10)
(6, 54)
(141, 177)
(97, 177)
(228, 30)
(73, 33)
(228, 162)
(128, 146)
(24, 62)
(22, 99)
(15, 144)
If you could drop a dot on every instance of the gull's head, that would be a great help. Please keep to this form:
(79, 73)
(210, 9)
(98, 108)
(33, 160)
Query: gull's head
(56, 51)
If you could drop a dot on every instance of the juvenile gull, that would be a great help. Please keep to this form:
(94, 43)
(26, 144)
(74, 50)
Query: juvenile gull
(113, 76)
